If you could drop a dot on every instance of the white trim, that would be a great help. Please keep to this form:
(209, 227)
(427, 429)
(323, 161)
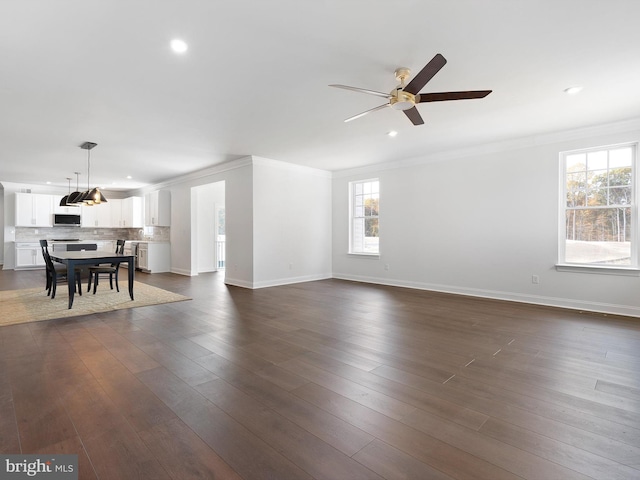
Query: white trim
(602, 270)
(291, 280)
(580, 305)
(237, 283)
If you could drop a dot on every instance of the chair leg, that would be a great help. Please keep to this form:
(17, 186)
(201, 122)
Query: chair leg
(116, 275)
(54, 282)
(111, 281)
(95, 282)
(89, 283)
(79, 282)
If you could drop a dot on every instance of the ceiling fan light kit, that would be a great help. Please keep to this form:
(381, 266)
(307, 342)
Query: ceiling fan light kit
(405, 97)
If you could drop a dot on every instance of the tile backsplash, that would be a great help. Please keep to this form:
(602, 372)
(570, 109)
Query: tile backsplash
(154, 234)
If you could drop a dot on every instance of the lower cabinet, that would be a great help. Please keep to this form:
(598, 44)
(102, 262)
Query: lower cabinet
(29, 255)
(154, 257)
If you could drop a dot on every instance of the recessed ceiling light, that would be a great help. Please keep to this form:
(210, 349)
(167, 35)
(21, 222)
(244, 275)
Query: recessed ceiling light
(179, 46)
(392, 133)
(48, 183)
(573, 90)
(129, 177)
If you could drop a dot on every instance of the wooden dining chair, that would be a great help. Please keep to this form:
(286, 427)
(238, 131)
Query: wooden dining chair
(111, 270)
(54, 275)
(61, 270)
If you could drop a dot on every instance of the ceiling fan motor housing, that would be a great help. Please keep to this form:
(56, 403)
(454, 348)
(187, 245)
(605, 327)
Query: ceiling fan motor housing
(401, 100)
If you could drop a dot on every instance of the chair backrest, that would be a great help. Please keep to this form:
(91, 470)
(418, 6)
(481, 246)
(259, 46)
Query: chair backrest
(47, 257)
(120, 247)
(44, 245)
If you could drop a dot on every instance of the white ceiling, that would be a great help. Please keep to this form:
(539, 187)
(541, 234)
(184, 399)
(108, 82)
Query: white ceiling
(254, 80)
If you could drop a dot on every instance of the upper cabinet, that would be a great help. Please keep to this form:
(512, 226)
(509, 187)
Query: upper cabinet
(34, 210)
(157, 208)
(69, 209)
(96, 216)
(132, 214)
(127, 212)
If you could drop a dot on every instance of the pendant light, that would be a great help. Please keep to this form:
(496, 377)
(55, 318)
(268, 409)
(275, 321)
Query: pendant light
(72, 200)
(91, 196)
(63, 202)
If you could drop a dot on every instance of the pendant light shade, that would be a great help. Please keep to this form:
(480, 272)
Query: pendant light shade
(72, 199)
(63, 202)
(90, 196)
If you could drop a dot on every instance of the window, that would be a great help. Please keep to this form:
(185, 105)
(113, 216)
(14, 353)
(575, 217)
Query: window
(365, 197)
(598, 207)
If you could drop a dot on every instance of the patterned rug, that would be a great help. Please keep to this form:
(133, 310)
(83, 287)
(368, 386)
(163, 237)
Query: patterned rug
(33, 304)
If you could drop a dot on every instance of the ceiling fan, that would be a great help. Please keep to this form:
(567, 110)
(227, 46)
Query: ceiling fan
(405, 97)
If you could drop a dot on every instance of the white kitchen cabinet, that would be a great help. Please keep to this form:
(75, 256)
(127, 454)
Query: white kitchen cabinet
(34, 210)
(132, 213)
(29, 255)
(68, 210)
(127, 212)
(157, 208)
(154, 257)
(96, 215)
(115, 205)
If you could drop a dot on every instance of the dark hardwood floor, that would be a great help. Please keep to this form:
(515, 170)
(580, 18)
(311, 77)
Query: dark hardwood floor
(324, 380)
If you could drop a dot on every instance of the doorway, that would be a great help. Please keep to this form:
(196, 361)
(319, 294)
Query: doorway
(209, 227)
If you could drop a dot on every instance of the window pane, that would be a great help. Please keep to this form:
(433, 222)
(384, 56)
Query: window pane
(597, 160)
(620, 157)
(597, 197)
(620, 176)
(599, 236)
(366, 187)
(620, 196)
(576, 162)
(373, 204)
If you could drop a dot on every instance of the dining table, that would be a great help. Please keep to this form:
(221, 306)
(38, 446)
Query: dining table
(73, 259)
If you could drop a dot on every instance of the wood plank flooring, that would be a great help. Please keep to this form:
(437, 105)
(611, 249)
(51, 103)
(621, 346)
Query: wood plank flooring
(324, 380)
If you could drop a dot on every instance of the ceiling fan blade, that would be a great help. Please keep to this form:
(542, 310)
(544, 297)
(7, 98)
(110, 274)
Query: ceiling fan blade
(444, 96)
(368, 111)
(426, 74)
(362, 90)
(414, 116)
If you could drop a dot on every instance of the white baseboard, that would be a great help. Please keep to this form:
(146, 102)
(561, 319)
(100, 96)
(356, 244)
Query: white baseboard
(291, 280)
(599, 307)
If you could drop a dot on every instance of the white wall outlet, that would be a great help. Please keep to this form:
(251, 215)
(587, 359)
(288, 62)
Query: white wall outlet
(535, 279)
(386, 267)
(35, 231)
(291, 266)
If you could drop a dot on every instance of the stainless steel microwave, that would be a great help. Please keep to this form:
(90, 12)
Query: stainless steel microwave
(66, 220)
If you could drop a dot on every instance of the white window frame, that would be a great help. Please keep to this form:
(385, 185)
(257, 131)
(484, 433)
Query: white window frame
(562, 264)
(353, 250)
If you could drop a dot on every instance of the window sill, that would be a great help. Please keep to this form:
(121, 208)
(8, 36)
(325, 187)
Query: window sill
(364, 255)
(602, 270)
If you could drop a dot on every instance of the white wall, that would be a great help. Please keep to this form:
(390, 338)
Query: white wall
(481, 223)
(238, 178)
(292, 223)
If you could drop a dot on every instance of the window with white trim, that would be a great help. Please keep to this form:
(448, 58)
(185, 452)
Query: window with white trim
(363, 217)
(598, 208)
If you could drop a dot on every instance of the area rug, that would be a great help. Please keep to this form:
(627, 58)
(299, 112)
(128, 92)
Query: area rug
(33, 304)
